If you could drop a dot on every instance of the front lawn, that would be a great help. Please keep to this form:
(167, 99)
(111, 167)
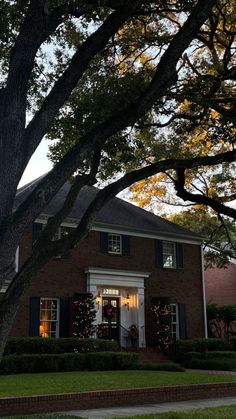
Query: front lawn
(226, 412)
(67, 382)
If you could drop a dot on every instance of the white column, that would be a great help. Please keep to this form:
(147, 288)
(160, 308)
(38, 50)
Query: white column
(141, 318)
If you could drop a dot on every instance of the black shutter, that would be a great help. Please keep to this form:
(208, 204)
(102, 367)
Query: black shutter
(36, 231)
(125, 245)
(104, 242)
(179, 256)
(182, 321)
(34, 316)
(64, 318)
(159, 253)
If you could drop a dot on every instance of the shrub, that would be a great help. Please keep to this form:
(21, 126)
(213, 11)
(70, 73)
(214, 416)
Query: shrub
(57, 346)
(162, 366)
(223, 364)
(181, 347)
(26, 363)
(210, 355)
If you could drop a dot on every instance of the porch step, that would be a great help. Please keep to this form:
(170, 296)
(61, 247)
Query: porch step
(151, 355)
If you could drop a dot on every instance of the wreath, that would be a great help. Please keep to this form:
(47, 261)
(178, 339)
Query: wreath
(109, 311)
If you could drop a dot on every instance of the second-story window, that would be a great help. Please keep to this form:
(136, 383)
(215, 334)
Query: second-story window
(169, 254)
(114, 243)
(61, 232)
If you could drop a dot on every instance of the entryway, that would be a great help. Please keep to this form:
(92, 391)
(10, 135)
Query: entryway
(111, 316)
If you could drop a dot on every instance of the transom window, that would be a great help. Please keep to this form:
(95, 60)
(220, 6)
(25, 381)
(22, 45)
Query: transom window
(114, 243)
(174, 322)
(169, 254)
(49, 318)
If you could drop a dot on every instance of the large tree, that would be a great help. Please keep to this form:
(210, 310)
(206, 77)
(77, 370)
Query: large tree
(130, 56)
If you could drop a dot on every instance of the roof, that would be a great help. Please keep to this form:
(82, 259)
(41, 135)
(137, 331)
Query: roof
(117, 214)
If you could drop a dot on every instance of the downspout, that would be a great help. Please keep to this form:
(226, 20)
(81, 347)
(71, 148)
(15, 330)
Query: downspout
(204, 293)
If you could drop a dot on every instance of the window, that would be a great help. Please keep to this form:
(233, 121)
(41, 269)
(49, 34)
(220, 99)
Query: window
(169, 255)
(49, 318)
(61, 232)
(114, 243)
(174, 322)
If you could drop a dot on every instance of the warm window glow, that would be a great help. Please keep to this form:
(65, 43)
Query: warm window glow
(48, 326)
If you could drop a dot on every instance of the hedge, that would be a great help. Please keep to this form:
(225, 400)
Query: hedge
(181, 347)
(210, 355)
(58, 346)
(162, 366)
(26, 363)
(219, 364)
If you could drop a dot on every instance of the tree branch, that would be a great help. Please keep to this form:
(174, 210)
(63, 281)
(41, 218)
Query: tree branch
(63, 87)
(200, 199)
(164, 76)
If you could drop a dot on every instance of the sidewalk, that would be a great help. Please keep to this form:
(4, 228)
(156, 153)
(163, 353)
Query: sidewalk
(150, 408)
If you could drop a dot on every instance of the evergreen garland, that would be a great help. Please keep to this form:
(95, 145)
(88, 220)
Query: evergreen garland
(84, 314)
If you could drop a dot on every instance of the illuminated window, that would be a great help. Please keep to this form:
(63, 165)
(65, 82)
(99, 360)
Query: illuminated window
(49, 318)
(174, 322)
(169, 254)
(114, 243)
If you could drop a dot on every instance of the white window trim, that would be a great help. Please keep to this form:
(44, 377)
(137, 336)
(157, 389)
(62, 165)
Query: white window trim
(58, 313)
(176, 322)
(174, 265)
(120, 238)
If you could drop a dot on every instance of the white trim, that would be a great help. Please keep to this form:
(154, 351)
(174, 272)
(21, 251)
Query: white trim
(185, 238)
(116, 272)
(204, 293)
(17, 260)
(131, 282)
(57, 321)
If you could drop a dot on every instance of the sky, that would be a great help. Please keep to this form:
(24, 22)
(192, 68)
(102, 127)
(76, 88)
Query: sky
(38, 164)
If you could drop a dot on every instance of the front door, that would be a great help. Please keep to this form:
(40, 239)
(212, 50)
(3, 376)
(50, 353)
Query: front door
(111, 316)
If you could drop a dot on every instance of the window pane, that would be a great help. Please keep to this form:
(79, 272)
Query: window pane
(169, 255)
(114, 243)
(48, 317)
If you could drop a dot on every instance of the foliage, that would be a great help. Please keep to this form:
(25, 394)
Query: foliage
(19, 346)
(182, 346)
(222, 320)
(210, 355)
(161, 313)
(84, 314)
(104, 79)
(221, 364)
(94, 361)
(219, 237)
(163, 366)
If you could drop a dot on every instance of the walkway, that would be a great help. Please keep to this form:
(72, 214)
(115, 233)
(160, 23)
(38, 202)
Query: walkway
(109, 413)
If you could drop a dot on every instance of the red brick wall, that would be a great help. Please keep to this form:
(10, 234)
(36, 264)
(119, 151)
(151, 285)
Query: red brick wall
(63, 277)
(106, 398)
(221, 285)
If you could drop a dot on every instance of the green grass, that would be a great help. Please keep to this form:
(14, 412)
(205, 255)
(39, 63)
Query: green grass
(226, 412)
(67, 382)
(42, 416)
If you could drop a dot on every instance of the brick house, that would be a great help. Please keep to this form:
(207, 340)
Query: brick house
(220, 284)
(129, 257)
